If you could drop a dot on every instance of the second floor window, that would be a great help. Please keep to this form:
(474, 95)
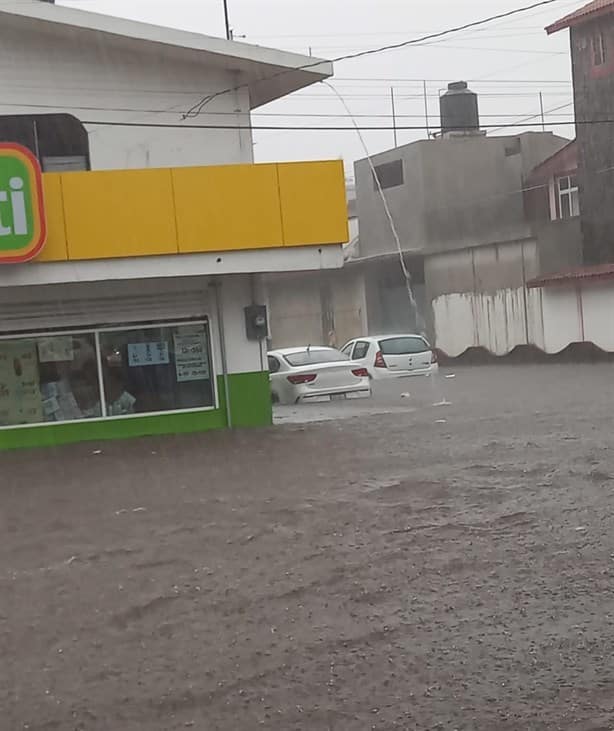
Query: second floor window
(389, 174)
(569, 201)
(599, 49)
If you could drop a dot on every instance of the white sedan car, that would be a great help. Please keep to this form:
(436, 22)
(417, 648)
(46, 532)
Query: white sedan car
(311, 372)
(393, 356)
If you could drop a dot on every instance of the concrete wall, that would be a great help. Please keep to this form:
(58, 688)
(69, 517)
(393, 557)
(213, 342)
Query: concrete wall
(295, 311)
(304, 308)
(594, 101)
(406, 203)
(457, 192)
(497, 321)
(388, 305)
(579, 314)
(485, 269)
(479, 299)
(559, 245)
(478, 296)
(349, 305)
(98, 77)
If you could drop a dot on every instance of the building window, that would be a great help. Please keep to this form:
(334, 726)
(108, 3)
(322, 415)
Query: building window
(599, 48)
(389, 174)
(569, 201)
(100, 374)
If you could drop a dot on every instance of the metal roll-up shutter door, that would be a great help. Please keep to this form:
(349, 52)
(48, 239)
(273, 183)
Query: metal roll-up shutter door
(52, 307)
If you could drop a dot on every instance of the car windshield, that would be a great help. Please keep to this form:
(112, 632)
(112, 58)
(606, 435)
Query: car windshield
(403, 346)
(312, 356)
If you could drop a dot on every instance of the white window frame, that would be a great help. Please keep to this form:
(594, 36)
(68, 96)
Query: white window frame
(599, 49)
(570, 192)
(96, 331)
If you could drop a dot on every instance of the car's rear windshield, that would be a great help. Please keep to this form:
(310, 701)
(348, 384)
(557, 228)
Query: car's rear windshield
(313, 356)
(403, 346)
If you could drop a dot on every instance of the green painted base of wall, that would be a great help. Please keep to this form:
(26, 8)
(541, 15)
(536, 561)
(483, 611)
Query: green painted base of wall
(250, 402)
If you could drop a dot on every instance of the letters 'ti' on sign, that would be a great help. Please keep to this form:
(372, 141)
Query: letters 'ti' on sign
(22, 215)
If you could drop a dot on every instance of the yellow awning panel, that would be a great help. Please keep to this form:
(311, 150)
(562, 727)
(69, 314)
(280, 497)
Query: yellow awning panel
(128, 213)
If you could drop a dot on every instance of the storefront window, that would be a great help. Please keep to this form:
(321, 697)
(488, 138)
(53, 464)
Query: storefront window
(147, 370)
(57, 378)
(47, 379)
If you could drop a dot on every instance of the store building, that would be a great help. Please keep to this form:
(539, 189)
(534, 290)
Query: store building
(129, 297)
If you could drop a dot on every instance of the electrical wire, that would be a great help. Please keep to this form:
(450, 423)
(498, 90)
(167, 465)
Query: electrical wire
(332, 128)
(197, 108)
(397, 239)
(315, 115)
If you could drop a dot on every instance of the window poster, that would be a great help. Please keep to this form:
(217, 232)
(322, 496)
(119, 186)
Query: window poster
(20, 397)
(148, 354)
(57, 349)
(191, 355)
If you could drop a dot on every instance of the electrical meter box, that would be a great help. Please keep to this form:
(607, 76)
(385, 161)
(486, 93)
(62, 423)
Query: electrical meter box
(256, 322)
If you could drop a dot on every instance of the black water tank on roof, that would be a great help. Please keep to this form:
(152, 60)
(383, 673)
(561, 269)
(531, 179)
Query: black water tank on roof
(459, 109)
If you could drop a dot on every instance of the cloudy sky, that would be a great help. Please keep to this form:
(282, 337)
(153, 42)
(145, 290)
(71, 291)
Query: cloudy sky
(508, 62)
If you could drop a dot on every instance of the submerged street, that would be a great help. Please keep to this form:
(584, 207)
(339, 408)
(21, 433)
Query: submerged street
(364, 564)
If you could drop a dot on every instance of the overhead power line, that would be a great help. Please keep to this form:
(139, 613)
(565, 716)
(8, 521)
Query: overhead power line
(333, 128)
(197, 108)
(321, 115)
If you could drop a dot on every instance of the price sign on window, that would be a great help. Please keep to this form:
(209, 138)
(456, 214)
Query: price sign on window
(148, 354)
(191, 356)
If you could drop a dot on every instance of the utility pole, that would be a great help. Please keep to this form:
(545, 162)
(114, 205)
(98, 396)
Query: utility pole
(426, 111)
(394, 116)
(227, 21)
(541, 108)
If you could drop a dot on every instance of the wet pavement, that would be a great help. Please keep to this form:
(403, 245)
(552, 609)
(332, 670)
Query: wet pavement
(368, 564)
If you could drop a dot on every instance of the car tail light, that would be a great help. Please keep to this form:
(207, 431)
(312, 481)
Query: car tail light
(379, 360)
(360, 372)
(302, 378)
(434, 357)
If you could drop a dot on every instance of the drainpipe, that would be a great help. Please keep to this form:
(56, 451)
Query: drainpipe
(257, 290)
(216, 285)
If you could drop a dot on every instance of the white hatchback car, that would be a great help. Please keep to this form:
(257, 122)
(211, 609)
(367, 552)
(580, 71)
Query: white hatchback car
(298, 374)
(393, 356)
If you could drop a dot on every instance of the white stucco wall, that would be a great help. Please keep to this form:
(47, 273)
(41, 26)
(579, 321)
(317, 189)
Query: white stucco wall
(497, 321)
(553, 318)
(242, 355)
(103, 78)
(579, 314)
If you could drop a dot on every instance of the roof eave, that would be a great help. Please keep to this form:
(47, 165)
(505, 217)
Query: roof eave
(573, 20)
(269, 73)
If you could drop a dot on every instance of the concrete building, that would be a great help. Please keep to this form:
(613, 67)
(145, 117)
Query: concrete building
(477, 218)
(592, 56)
(466, 230)
(130, 297)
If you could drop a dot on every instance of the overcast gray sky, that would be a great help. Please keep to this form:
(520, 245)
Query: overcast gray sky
(508, 62)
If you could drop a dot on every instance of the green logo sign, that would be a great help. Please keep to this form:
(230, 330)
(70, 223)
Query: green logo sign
(22, 215)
